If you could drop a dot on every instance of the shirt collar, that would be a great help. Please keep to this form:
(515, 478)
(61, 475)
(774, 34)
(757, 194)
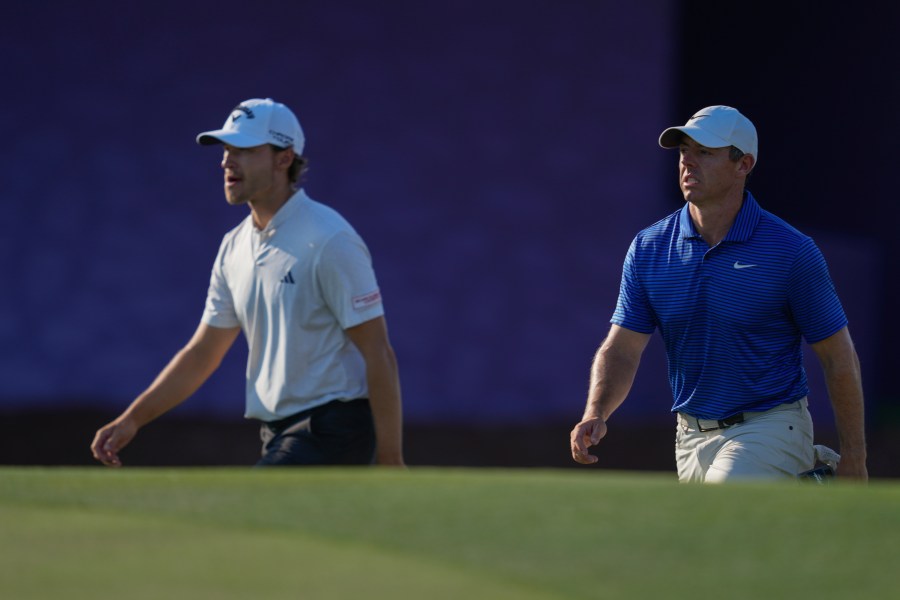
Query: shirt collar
(746, 220)
(744, 224)
(687, 224)
(287, 209)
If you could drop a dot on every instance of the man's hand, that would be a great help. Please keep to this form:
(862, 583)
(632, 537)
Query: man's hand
(110, 439)
(395, 459)
(853, 466)
(586, 434)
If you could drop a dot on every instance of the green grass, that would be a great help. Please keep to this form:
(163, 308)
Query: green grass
(438, 533)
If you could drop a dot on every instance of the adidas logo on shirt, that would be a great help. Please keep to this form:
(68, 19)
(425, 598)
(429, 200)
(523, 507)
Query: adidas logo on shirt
(288, 278)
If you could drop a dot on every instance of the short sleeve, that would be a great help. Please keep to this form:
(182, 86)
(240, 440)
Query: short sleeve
(219, 310)
(347, 280)
(632, 308)
(814, 302)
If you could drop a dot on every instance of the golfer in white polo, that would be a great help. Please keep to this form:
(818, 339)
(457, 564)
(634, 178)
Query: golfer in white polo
(297, 279)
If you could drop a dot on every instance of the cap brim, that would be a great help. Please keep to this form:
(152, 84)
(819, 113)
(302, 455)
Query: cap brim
(671, 137)
(232, 138)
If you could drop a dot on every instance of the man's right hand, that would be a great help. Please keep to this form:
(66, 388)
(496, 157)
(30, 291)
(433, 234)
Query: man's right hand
(110, 439)
(586, 434)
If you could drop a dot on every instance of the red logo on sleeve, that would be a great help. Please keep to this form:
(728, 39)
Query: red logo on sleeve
(366, 300)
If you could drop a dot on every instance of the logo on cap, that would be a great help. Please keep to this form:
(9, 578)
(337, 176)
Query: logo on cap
(240, 108)
(282, 138)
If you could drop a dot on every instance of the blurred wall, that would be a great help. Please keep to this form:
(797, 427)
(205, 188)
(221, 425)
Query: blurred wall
(497, 157)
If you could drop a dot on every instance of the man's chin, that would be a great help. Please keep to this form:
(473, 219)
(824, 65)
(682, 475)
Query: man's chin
(235, 200)
(691, 196)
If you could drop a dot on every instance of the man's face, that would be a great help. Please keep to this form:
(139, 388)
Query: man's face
(250, 173)
(706, 174)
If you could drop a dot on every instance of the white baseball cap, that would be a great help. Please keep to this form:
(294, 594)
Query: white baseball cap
(716, 127)
(256, 122)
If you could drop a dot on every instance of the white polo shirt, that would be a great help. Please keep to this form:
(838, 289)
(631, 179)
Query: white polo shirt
(294, 287)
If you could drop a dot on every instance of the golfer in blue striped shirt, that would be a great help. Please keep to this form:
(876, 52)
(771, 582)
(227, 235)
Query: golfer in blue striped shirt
(733, 290)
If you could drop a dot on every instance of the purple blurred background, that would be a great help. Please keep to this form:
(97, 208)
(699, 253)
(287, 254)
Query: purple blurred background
(496, 156)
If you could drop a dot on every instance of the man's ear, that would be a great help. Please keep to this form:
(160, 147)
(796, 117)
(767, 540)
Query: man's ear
(746, 164)
(285, 158)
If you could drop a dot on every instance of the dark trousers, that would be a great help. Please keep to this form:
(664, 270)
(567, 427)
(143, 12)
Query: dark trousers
(337, 433)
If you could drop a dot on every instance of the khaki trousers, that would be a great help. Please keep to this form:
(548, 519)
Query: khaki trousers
(773, 444)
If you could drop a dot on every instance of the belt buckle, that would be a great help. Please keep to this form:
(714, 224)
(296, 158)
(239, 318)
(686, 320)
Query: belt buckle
(720, 424)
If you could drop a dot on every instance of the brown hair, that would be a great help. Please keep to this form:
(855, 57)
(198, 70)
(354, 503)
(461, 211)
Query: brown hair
(736, 154)
(298, 168)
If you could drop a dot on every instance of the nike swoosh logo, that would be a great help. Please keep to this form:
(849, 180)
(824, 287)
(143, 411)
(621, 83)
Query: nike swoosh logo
(738, 265)
(697, 117)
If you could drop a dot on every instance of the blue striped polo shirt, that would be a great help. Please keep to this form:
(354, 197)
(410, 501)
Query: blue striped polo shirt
(731, 316)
